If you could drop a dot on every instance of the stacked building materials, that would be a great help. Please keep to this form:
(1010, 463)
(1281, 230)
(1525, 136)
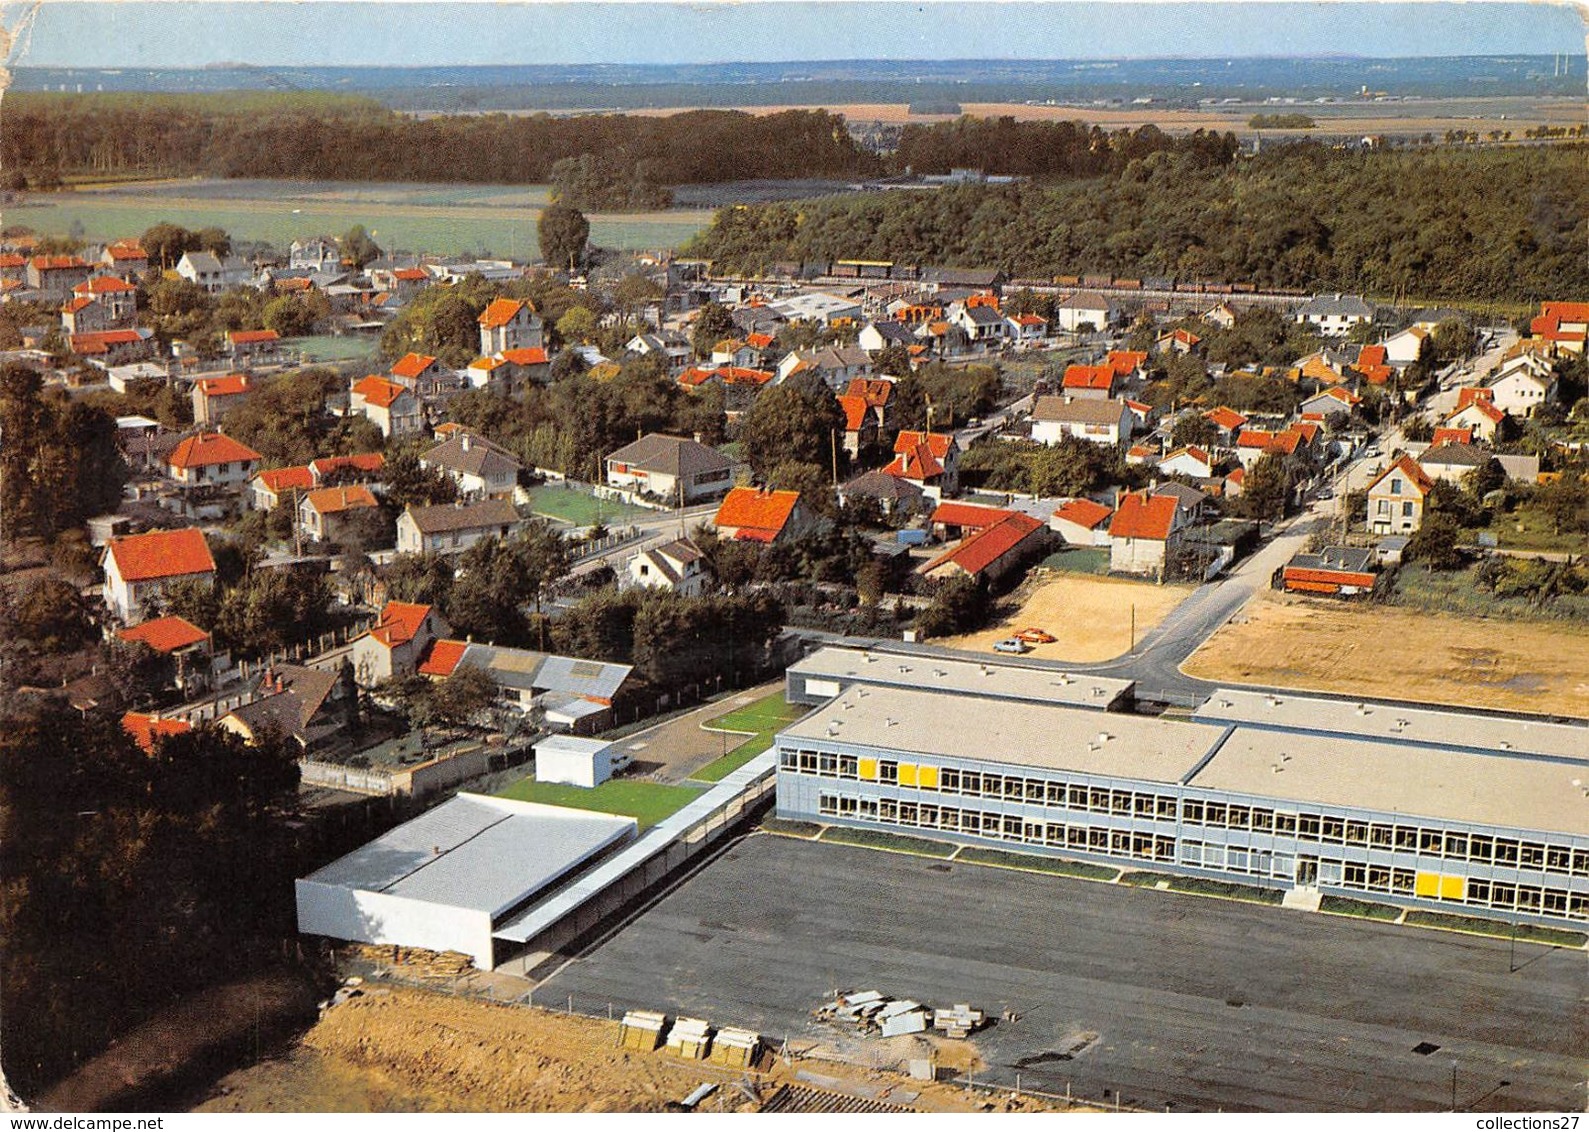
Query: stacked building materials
(642, 1030)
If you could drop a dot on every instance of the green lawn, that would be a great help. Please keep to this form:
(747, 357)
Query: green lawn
(576, 505)
(333, 348)
(1080, 560)
(1530, 529)
(1457, 591)
(761, 721)
(647, 802)
(443, 220)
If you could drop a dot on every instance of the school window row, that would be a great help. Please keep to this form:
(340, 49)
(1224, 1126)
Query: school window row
(1076, 797)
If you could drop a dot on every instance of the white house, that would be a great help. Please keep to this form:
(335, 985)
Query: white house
(213, 274)
(675, 468)
(1081, 522)
(1403, 349)
(452, 528)
(1084, 307)
(1522, 390)
(1335, 315)
(140, 568)
(1100, 422)
(1144, 533)
(388, 405)
(212, 459)
(480, 468)
(678, 566)
(510, 324)
(1189, 461)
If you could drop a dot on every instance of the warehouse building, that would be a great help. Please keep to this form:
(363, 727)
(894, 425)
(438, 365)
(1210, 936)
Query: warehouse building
(1449, 811)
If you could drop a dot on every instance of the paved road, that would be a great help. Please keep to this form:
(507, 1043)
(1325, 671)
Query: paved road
(1195, 1003)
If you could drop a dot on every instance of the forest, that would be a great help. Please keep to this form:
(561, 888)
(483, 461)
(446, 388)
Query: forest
(1506, 225)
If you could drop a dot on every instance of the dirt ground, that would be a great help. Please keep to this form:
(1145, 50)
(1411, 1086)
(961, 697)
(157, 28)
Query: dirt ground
(402, 1050)
(1402, 654)
(1091, 616)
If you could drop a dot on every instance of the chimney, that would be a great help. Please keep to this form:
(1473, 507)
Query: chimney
(464, 442)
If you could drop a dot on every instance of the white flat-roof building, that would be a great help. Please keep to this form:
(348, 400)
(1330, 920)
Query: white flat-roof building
(444, 880)
(1452, 811)
(578, 762)
(835, 668)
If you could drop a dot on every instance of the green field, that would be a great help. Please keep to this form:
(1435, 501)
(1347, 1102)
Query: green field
(574, 504)
(333, 348)
(451, 220)
(760, 721)
(1080, 560)
(646, 802)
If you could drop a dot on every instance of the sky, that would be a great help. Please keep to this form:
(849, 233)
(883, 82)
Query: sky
(150, 33)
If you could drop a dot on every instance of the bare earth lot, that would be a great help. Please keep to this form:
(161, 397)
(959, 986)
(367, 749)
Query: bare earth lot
(1091, 616)
(400, 1050)
(1401, 654)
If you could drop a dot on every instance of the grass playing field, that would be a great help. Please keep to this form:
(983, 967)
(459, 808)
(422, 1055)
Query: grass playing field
(646, 802)
(453, 220)
(760, 721)
(576, 505)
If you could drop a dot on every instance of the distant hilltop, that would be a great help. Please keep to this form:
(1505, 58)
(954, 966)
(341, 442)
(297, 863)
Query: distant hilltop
(632, 86)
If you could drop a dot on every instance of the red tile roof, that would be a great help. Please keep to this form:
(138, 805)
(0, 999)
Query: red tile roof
(161, 554)
(251, 337)
(442, 658)
(1089, 377)
(100, 342)
(378, 391)
(278, 480)
(500, 312)
(756, 513)
(412, 365)
(104, 285)
(208, 448)
(875, 391)
(362, 461)
(146, 730)
(410, 274)
(1370, 356)
(527, 356)
(855, 410)
(759, 341)
(335, 500)
(937, 442)
(128, 251)
(1408, 467)
(165, 634)
(916, 463)
(1451, 436)
(58, 262)
(1226, 418)
(1191, 450)
(231, 385)
(1144, 517)
(77, 304)
(1468, 394)
(400, 622)
(1123, 362)
(1485, 408)
(987, 546)
(952, 513)
(11, 259)
(1084, 513)
(1566, 312)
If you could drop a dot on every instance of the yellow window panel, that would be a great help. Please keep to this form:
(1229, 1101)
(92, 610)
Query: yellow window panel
(1452, 888)
(869, 770)
(927, 778)
(907, 774)
(1427, 884)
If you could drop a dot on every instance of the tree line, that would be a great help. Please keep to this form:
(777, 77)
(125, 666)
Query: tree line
(1504, 224)
(351, 139)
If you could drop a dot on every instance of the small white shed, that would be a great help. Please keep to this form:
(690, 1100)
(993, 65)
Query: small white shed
(577, 762)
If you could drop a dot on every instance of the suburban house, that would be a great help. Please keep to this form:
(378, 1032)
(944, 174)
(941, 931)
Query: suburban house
(1228, 421)
(1335, 315)
(1405, 347)
(890, 492)
(1095, 383)
(671, 346)
(251, 347)
(387, 405)
(1452, 462)
(1332, 400)
(1082, 522)
(1373, 363)
(117, 297)
(139, 569)
(126, 258)
(1565, 326)
(860, 424)
(323, 514)
(1099, 422)
(952, 519)
(1026, 327)
(148, 730)
(452, 528)
(214, 397)
(1396, 498)
(1127, 364)
(878, 393)
(1144, 533)
(114, 347)
(55, 276)
(1255, 443)
(678, 565)
(981, 323)
(188, 646)
(1479, 414)
(1520, 390)
(992, 553)
(275, 485)
(419, 372)
(1177, 341)
(479, 467)
(213, 274)
(394, 645)
(835, 365)
(878, 336)
(212, 459)
(930, 460)
(757, 514)
(1189, 461)
(361, 467)
(1221, 315)
(1191, 502)
(675, 468)
(291, 701)
(83, 315)
(510, 324)
(1084, 308)
(571, 694)
(1341, 571)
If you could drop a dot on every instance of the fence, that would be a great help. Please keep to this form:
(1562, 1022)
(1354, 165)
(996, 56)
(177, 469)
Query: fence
(418, 781)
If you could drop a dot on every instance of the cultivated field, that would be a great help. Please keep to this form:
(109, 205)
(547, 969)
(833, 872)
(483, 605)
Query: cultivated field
(1431, 116)
(1090, 616)
(1401, 654)
(443, 219)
